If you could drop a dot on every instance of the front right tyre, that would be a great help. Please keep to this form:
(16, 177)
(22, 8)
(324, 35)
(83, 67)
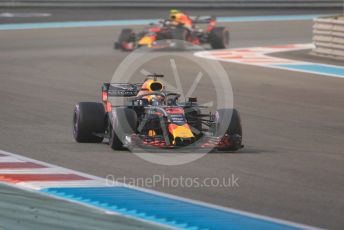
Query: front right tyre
(228, 123)
(219, 38)
(125, 36)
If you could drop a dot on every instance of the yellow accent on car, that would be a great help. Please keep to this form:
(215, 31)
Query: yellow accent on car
(146, 41)
(182, 131)
(151, 133)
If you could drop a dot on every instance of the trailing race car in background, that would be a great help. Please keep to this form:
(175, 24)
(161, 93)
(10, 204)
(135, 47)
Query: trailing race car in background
(164, 34)
(154, 117)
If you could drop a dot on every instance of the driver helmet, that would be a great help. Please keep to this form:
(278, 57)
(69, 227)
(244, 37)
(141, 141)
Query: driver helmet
(173, 13)
(151, 86)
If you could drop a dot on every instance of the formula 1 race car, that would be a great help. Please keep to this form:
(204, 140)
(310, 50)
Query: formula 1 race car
(153, 117)
(164, 35)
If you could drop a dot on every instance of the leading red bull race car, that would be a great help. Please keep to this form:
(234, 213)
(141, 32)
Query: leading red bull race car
(153, 117)
(179, 27)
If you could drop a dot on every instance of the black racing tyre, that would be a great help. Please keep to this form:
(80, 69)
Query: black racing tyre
(124, 122)
(222, 126)
(219, 38)
(88, 120)
(126, 34)
(227, 121)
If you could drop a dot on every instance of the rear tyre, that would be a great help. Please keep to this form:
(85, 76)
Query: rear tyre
(124, 123)
(88, 120)
(219, 38)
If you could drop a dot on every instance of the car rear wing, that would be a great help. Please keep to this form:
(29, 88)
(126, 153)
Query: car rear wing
(119, 90)
(202, 19)
(115, 91)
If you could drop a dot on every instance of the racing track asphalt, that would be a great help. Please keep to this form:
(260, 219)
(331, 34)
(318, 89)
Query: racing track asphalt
(292, 164)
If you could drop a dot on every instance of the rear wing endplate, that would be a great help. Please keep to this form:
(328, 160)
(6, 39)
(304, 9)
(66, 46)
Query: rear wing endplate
(202, 19)
(121, 89)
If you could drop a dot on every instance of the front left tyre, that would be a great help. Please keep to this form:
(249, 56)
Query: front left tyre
(124, 122)
(125, 36)
(89, 122)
